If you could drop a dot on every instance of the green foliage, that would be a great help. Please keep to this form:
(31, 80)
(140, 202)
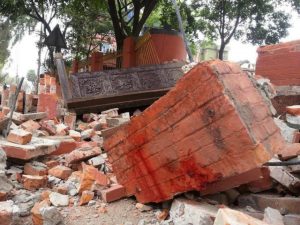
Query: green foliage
(5, 35)
(86, 19)
(257, 22)
(31, 76)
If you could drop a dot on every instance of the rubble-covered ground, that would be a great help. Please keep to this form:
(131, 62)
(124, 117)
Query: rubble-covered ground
(55, 171)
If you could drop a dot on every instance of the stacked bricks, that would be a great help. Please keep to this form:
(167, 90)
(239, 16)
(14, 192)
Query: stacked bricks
(212, 125)
(47, 97)
(280, 63)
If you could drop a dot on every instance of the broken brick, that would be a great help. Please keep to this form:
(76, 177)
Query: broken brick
(82, 154)
(70, 120)
(61, 129)
(113, 193)
(19, 136)
(35, 169)
(37, 217)
(49, 126)
(61, 172)
(51, 163)
(86, 196)
(91, 175)
(212, 125)
(75, 135)
(37, 147)
(30, 126)
(33, 183)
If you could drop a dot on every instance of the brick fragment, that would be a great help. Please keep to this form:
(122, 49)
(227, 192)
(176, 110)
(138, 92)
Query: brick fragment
(35, 169)
(86, 196)
(30, 126)
(19, 136)
(113, 193)
(91, 175)
(75, 135)
(49, 126)
(61, 172)
(33, 183)
(70, 120)
(82, 154)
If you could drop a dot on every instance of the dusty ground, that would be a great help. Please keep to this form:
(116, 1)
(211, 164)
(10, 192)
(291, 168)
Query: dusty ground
(122, 212)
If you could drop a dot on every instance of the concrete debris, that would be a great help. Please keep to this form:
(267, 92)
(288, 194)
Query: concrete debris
(59, 200)
(273, 216)
(228, 216)
(6, 186)
(3, 159)
(185, 211)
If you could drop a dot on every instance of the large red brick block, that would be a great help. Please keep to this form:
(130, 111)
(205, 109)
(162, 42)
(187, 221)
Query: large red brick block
(213, 125)
(280, 63)
(48, 103)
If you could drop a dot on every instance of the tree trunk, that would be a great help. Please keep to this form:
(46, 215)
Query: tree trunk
(221, 50)
(182, 30)
(38, 71)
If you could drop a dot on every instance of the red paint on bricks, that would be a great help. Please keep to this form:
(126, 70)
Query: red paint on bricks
(206, 129)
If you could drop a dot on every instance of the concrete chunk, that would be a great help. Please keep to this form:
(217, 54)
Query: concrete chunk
(185, 211)
(228, 216)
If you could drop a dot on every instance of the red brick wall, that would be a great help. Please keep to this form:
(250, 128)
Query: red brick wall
(212, 125)
(280, 63)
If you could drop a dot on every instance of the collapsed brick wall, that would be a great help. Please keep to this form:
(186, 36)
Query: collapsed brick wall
(280, 63)
(212, 125)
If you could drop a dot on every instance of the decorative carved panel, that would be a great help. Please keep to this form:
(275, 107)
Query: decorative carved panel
(125, 81)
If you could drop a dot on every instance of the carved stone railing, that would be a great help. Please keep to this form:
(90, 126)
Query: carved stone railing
(124, 88)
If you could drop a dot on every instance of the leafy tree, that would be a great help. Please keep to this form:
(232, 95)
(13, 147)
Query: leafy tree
(25, 14)
(31, 76)
(5, 35)
(84, 38)
(257, 21)
(129, 16)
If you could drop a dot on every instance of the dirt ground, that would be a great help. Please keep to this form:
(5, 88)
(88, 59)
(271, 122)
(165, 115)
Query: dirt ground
(121, 212)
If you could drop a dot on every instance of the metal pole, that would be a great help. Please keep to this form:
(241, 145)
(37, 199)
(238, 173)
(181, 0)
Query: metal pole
(179, 18)
(13, 107)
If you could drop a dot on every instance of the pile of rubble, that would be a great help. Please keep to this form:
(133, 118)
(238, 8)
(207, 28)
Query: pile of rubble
(56, 163)
(211, 151)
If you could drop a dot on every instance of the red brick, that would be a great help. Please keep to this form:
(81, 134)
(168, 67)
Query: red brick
(86, 196)
(51, 163)
(35, 169)
(198, 133)
(82, 154)
(33, 183)
(91, 175)
(70, 120)
(48, 103)
(61, 172)
(19, 136)
(113, 193)
(30, 126)
(65, 147)
(279, 63)
(49, 126)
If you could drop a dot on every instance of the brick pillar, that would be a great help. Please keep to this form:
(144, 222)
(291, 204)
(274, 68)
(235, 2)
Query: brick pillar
(96, 62)
(128, 53)
(4, 98)
(47, 98)
(75, 66)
